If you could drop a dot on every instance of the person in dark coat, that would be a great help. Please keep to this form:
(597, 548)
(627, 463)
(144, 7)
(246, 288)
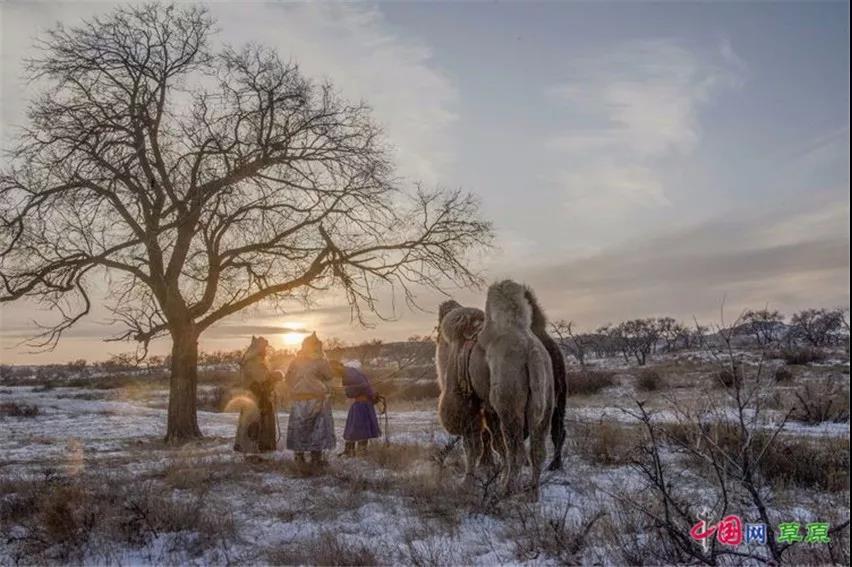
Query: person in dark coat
(361, 422)
(257, 428)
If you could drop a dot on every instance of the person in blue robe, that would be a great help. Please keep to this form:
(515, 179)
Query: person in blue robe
(362, 424)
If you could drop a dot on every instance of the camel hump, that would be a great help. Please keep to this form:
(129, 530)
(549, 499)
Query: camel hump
(506, 306)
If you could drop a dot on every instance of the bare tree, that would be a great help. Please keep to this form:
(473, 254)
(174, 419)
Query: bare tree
(204, 181)
(817, 326)
(636, 338)
(729, 438)
(763, 324)
(569, 342)
(368, 350)
(674, 333)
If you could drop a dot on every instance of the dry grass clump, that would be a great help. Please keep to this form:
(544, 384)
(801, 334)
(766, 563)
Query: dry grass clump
(64, 519)
(818, 463)
(438, 496)
(540, 536)
(588, 382)
(214, 399)
(432, 552)
(326, 548)
(194, 478)
(605, 443)
(634, 540)
(821, 463)
(420, 390)
(649, 380)
(730, 377)
(783, 375)
(800, 356)
(396, 455)
(14, 409)
(821, 402)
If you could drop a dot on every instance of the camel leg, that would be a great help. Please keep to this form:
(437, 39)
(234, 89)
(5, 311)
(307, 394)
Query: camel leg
(557, 422)
(557, 434)
(472, 441)
(538, 452)
(513, 440)
(495, 437)
(486, 459)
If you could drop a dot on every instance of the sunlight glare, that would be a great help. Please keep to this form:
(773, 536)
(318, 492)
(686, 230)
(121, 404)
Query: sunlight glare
(293, 337)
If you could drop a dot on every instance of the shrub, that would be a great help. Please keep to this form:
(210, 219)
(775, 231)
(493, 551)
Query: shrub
(396, 456)
(420, 390)
(801, 355)
(218, 376)
(605, 443)
(820, 402)
(821, 463)
(535, 532)
(783, 375)
(649, 381)
(587, 382)
(14, 409)
(213, 399)
(809, 463)
(324, 549)
(730, 377)
(65, 517)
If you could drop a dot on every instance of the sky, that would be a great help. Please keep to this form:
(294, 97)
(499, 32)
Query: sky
(636, 159)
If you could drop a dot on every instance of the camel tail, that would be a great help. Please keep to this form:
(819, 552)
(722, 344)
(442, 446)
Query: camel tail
(539, 319)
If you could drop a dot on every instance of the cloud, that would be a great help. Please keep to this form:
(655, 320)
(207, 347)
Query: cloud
(227, 331)
(355, 48)
(750, 259)
(629, 110)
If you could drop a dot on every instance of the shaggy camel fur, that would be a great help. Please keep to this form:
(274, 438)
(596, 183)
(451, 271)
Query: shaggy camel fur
(463, 381)
(453, 333)
(560, 379)
(521, 380)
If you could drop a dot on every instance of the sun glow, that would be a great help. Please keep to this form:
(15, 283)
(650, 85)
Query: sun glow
(293, 336)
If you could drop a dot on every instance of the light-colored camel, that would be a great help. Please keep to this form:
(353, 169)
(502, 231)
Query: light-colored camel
(560, 378)
(521, 380)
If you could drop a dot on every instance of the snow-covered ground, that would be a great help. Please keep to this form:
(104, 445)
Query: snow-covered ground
(270, 506)
(402, 504)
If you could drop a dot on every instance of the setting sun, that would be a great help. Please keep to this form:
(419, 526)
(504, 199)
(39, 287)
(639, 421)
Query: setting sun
(293, 338)
(292, 333)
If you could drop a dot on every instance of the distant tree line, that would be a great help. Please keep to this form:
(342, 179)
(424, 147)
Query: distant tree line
(391, 357)
(637, 339)
(633, 340)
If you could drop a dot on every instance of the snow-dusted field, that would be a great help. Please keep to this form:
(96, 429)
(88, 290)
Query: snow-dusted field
(271, 505)
(93, 460)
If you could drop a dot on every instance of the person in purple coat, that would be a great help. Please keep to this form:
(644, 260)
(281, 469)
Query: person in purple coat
(361, 422)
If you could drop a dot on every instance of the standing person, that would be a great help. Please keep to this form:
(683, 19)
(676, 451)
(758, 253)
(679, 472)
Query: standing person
(257, 430)
(310, 428)
(361, 422)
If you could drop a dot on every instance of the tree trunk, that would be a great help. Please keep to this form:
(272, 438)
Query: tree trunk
(183, 420)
